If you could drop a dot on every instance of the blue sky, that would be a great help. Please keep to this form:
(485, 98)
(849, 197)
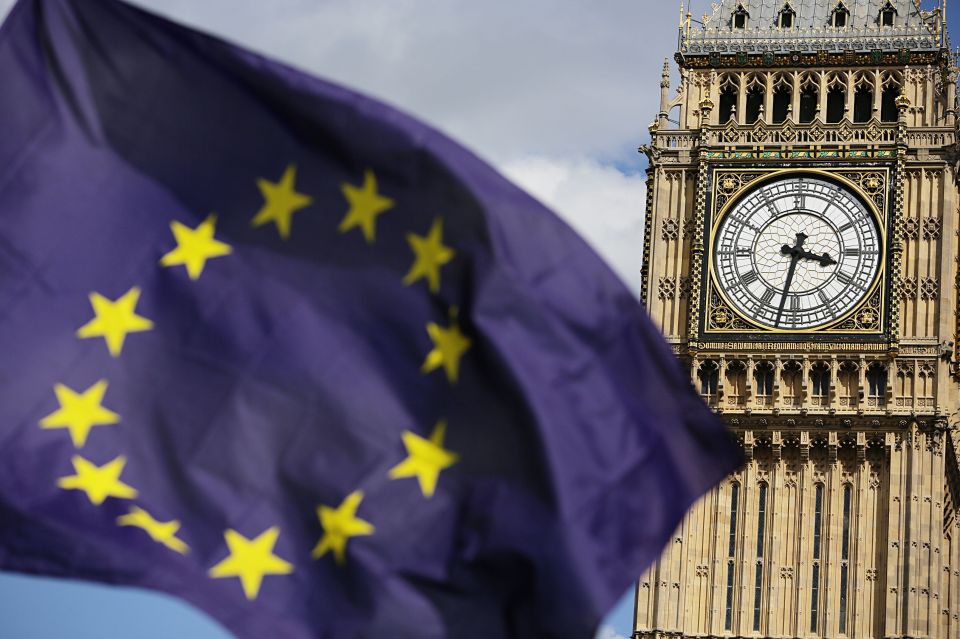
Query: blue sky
(556, 93)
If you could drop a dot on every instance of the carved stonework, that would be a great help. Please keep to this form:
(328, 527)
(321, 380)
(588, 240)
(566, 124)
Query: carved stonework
(911, 228)
(908, 288)
(669, 229)
(929, 288)
(667, 288)
(931, 228)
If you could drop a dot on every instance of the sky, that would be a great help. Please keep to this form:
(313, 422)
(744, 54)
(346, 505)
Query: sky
(557, 94)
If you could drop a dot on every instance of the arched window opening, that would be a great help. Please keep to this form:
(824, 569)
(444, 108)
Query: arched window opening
(863, 104)
(786, 17)
(845, 558)
(763, 379)
(728, 104)
(888, 104)
(888, 15)
(740, 17)
(735, 390)
(877, 380)
(754, 104)
(731, 554)
(817, 542)
(840, 16)
(820, 377)
(904, 387)
(781, 104)
(809, 103)
(849, 381)
(836, 104)
(792, 384)
(709, 374)
(761, 534)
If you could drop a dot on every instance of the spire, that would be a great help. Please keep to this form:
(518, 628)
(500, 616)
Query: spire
(664, 95)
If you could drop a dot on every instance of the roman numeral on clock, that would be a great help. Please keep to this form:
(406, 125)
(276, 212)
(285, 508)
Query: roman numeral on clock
(768, 296)
(851, 252)
(749, 277)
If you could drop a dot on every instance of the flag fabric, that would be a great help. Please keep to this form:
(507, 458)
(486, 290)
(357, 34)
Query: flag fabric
(282, 351)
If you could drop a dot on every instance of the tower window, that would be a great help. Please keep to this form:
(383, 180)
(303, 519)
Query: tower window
(763, 375)
(877, 380)
(888, 104)
(754, 104)
(740, 17)
(781, 104)
(731, 554)
(786, 17)
(840, 16)
(887, 15)
(815, 577)
(863, 105)
(820, 376)
(845, 558)
(809, 102)
(836, 104)
(709, 377)
(728, 101)
(761, 530)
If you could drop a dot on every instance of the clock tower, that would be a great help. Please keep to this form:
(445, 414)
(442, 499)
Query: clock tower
(801, 256)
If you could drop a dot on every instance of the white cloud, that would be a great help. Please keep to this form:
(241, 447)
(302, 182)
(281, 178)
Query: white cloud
(554, 77)
(608, 632)
(599, 201)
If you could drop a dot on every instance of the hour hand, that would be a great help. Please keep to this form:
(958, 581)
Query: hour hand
(825, 259)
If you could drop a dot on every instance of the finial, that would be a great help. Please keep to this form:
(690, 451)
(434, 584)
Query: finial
(666, 68)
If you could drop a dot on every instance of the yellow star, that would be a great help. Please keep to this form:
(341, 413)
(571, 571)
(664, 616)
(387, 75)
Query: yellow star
(365, 205)
(195, 246)
(79, 412)
(449, 345)
(426, 458)
(161, 532)
(430, 254)
(281, 201)
(113, 320)
(339, 525)
(251, 560)
(99, 482)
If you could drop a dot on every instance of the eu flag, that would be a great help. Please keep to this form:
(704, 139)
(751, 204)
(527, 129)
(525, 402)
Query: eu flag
(284, 352)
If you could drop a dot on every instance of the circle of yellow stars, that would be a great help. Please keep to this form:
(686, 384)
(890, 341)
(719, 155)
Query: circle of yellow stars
(252, 559)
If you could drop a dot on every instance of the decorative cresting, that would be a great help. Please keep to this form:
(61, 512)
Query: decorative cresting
(816, 34)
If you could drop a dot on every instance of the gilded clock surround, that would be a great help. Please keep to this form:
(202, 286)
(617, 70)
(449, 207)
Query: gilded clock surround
(866, 319)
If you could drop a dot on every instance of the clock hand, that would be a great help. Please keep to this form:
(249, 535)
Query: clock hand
(794, 253)
(825, 259)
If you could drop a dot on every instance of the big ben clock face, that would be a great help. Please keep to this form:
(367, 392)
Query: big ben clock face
(797, 253)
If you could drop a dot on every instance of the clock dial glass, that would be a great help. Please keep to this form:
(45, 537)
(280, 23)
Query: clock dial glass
(797, 253)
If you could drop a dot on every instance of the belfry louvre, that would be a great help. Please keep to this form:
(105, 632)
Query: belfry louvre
(801, 256)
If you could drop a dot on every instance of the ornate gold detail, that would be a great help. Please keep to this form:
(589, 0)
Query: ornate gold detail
(729, 184)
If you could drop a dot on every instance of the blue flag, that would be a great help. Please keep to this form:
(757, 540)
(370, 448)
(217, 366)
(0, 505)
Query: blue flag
(284, 352)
